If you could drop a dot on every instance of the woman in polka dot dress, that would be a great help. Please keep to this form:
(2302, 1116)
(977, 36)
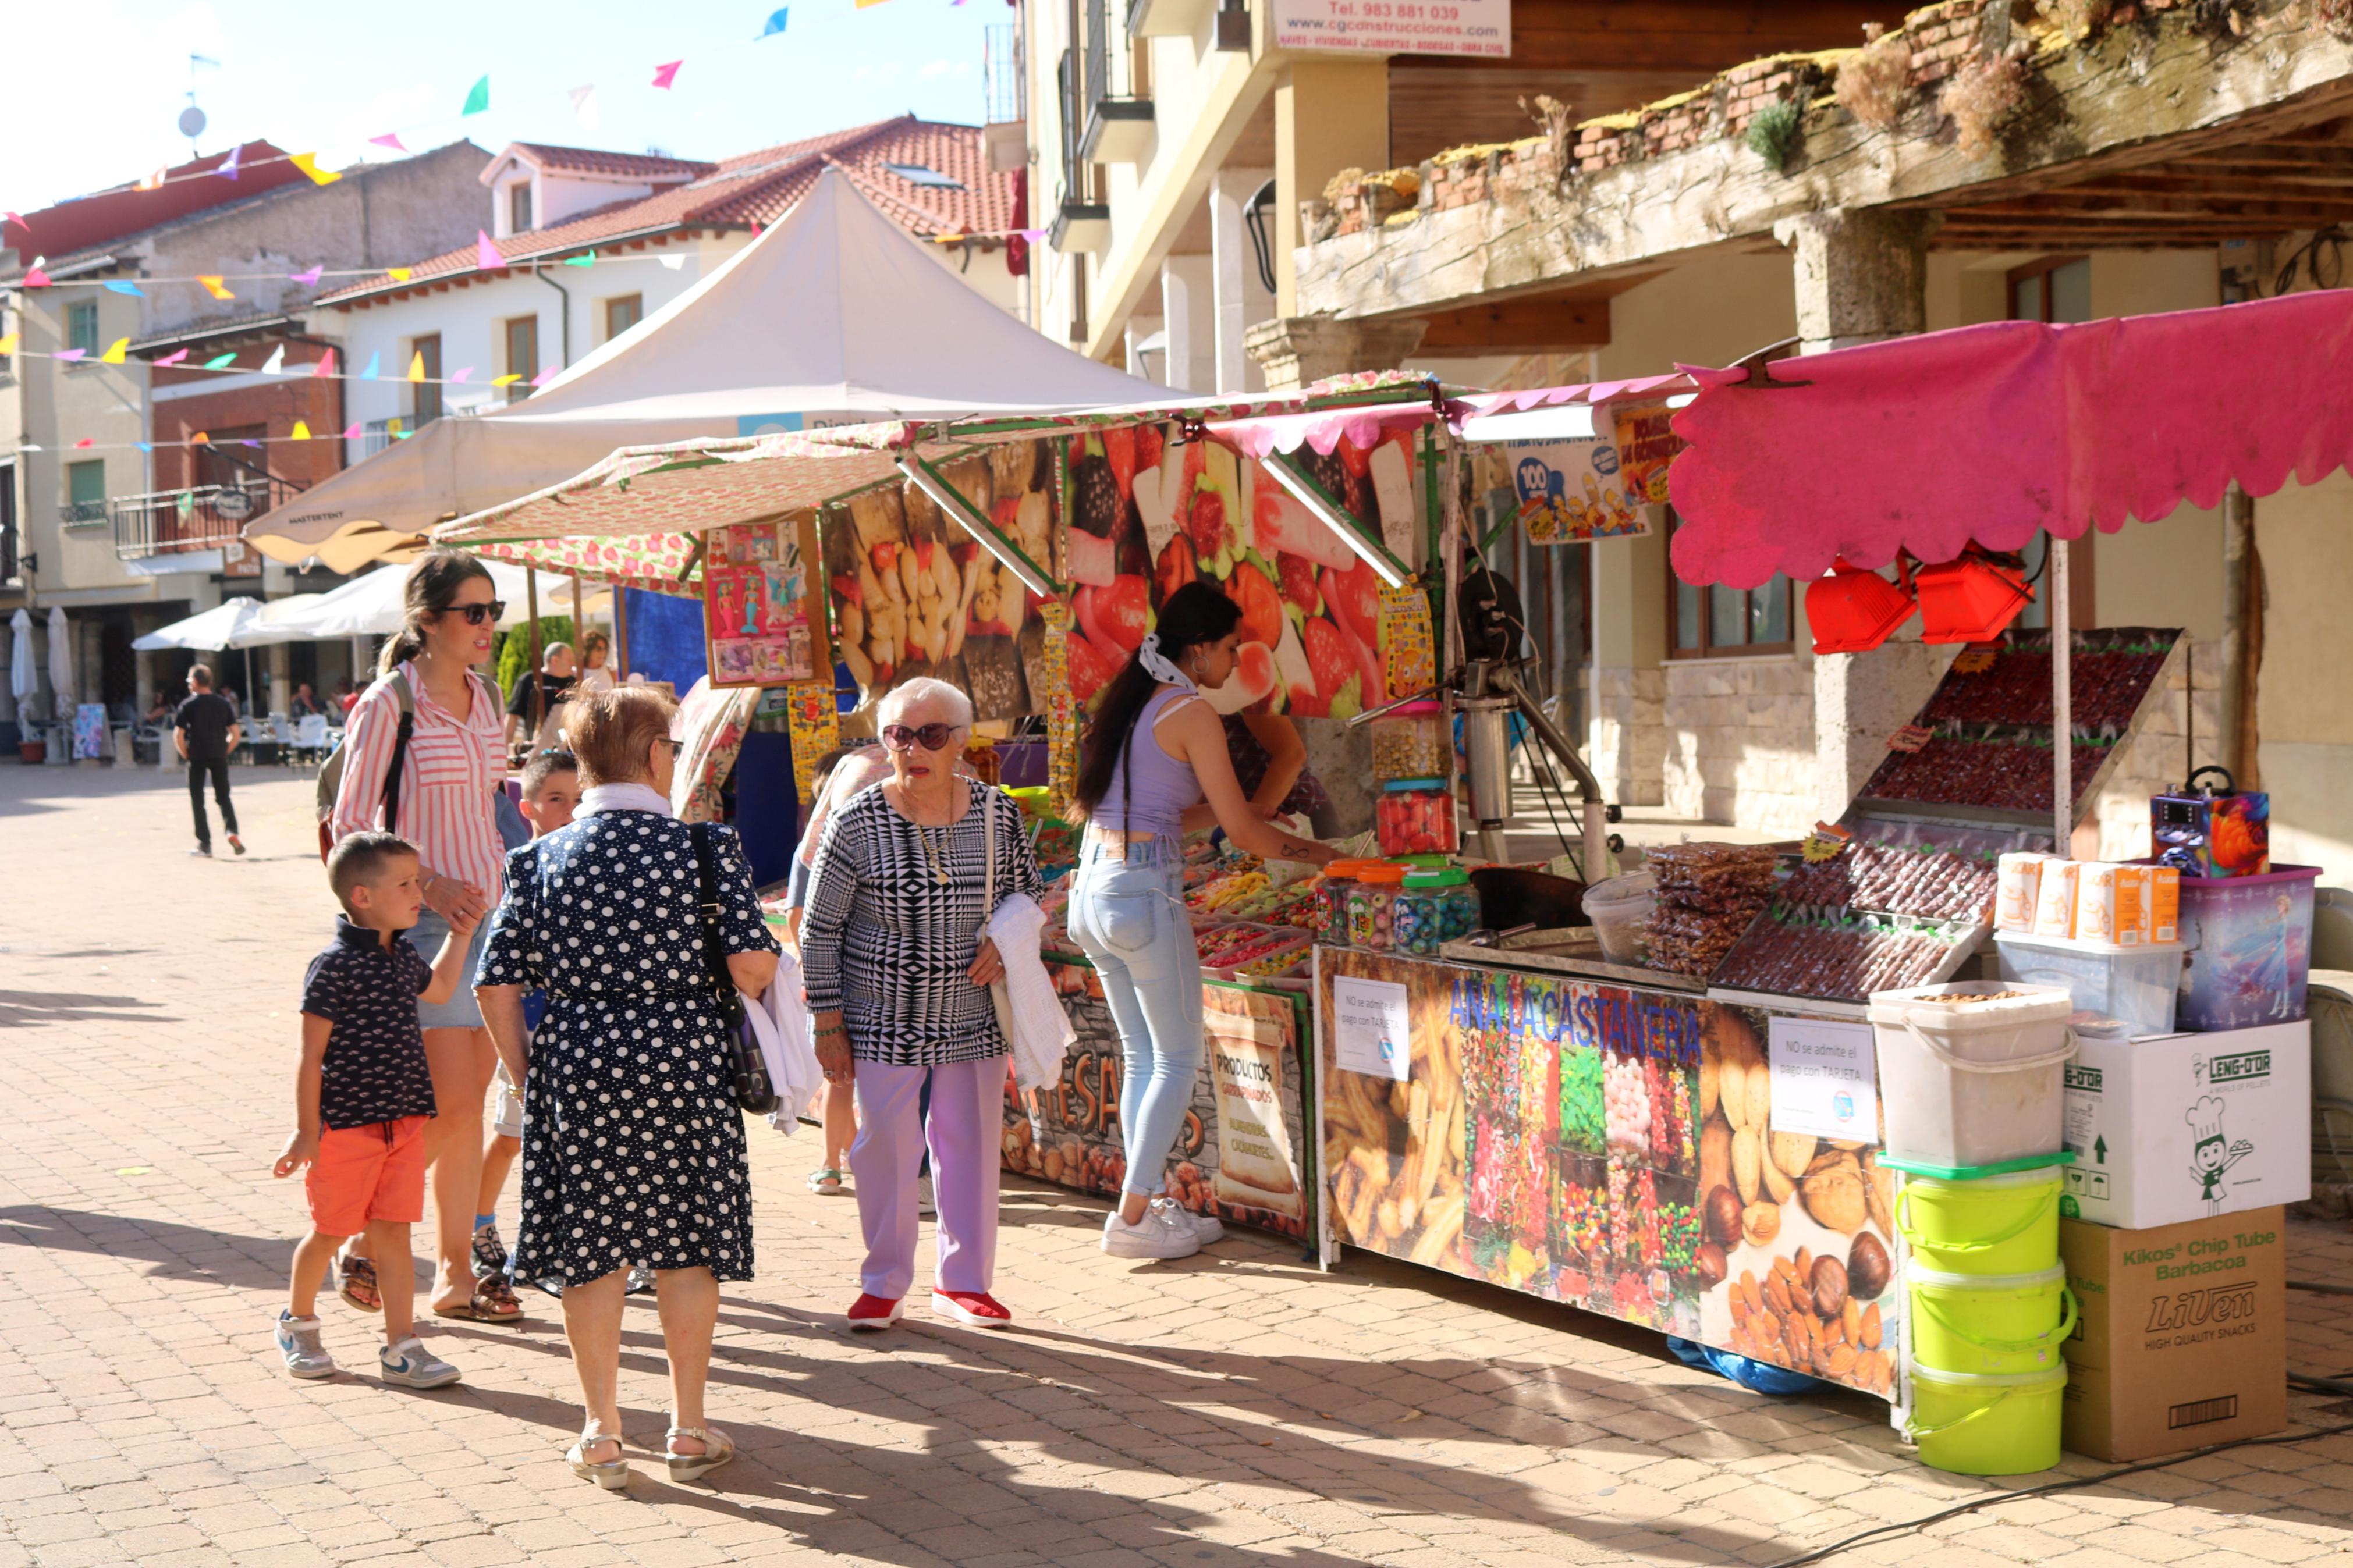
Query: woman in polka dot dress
(633, 1144)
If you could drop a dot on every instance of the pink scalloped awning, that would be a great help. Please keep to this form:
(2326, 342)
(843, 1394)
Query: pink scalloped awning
(1995, 433)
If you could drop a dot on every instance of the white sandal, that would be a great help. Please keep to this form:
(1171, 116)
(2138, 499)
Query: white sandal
(611, 1474)
(718, 1448)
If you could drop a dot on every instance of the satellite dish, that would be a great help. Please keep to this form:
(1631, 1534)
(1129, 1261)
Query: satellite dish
(192, 122)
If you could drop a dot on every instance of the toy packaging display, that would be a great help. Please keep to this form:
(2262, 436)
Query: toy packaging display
(2202, 831)
(2249, 946)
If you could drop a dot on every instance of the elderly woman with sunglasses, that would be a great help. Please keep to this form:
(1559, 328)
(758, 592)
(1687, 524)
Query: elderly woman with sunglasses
(898, 974)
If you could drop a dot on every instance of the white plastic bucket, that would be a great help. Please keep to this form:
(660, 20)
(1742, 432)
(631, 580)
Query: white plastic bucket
(1620, 908)
(1972, 1083)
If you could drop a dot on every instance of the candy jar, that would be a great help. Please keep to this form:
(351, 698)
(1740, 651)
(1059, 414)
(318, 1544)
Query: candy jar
(1372, 900)
(1410, 741)
(1416, 816)
(1433, 907)
(1339, 879)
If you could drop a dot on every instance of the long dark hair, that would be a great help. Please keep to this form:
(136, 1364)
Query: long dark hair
(1192, 614)
(431, 588)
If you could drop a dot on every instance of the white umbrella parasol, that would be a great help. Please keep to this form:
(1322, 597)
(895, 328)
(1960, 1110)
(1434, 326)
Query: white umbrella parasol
(62, 662)
(373, 603)
(219, 627)
(24, 675)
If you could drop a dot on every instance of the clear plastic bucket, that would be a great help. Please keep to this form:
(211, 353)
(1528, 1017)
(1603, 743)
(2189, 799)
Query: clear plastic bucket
(1620, 908)
(1973, 1083)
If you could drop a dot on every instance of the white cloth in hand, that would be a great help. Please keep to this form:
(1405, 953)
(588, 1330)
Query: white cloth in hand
(1041, 1030)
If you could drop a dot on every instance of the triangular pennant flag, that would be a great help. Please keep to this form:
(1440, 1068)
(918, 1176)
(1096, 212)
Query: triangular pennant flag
(309, 163)
(584, 104)
(758, 229)
(200, 439)
(507, 379)
(35, 277)
(275, 362)
(302, 432)
(388, 140)
(174, 357)
(486, 255)
(374, 363)
(478, 100)
(213, 286)
(458, 376)
(228, 168)
(119, 288)
(255, 445)
(69, 353)
(775, 23)
(154, 182)
(352, 431)
(185, 504)
(309, 275)
(398, 274)
(417, 365)
(30, 446)
(144, 446)
(393, 426)
(588, 260)
(19, 219)
(85, 441)
(221, 362)
(863, 3)
(115, 352)
(544, 377)
(326, 366)
(8, 345)
(673, 262)
(664, 75)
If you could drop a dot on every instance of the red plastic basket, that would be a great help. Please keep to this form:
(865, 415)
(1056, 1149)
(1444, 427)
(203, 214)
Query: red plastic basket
(1853, 610)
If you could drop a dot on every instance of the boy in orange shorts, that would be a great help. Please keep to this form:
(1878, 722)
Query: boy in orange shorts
(361, 1098)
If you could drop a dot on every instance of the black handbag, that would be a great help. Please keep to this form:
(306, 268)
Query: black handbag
(754, 1091)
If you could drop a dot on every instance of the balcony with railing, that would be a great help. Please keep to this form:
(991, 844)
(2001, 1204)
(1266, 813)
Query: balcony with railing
(179, 522)
(1081, 219)
(1116, 110)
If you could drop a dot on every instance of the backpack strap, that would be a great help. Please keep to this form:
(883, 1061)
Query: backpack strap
(408, 700)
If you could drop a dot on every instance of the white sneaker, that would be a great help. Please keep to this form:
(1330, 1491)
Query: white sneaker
(1158, 1233)
(297, 1343)
(409, 1364)
(1204, 1226)
(924, 1204)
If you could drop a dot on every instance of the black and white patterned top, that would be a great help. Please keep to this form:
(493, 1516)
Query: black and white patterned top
(633, 1144)
(374, 1069)
(887, 945)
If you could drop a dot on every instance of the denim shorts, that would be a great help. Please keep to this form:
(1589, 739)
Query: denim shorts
(461, 1011)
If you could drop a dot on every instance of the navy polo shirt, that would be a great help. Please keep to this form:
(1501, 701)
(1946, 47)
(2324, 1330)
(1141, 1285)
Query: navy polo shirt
(375, 1069)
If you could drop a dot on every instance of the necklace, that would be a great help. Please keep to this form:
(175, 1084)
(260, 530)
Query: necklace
(923, 837)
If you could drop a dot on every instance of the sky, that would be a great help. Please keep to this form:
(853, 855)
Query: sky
(97, 86)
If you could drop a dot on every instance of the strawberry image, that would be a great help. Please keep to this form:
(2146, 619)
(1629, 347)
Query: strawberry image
(1089, 668)
(1356, 459)
(1298, 575)
(1354, 597)
(1207, 521)
(1175, 569)
(1148, 445)
(1334, 662)
(1119, 449)
(1122, 613)
(1261, 607)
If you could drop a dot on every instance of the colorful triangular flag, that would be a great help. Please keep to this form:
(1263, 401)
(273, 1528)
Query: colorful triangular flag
(37, 279)
(457, 375)
(398, 274)
(374, 363)
(775, 23)
(275, 362)
(185, 504)
(154, 182)
(584, 104)
(388, 140)
(352, 431)
(476, 99)
(228, 168)
(309, 275)
(507, 379)
(588, 260)
(8, 344)
(302, 432)
(19, 219)
(174, 357)
(85, 441)
(200, 439)
(326, 366)
(115, 352)
(544, 377)
(214, 285)
(417, 365)
(486, 255)
(69, 353)
(664, 75)
(673, 262)
(144, 446)
(120, 288)
(309, 163)
(221, 362)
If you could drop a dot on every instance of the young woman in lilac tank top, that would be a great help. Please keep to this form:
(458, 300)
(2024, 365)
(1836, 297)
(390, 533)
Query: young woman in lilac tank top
(1155, 765)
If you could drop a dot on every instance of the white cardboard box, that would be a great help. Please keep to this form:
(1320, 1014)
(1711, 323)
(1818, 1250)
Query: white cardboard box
(2175, 1128)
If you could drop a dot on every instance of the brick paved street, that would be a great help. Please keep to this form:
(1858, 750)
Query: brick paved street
(1234, 1409)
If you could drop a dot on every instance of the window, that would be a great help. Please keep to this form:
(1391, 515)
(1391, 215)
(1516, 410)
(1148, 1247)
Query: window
(519, 207)
(522, 355)
(9, 568)
(2055, 288)
(622, 314)
(86, 492)
(82, 327)
(921, 175)
(424, 397)
(1717, 622)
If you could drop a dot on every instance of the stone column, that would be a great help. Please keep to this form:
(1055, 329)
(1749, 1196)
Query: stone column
(1188, 317)
(1240, 300)
(1298, 350)
(1862, 277)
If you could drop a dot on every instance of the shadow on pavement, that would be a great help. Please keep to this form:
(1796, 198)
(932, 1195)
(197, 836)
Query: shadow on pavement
(179, 1251)
(27, 1009)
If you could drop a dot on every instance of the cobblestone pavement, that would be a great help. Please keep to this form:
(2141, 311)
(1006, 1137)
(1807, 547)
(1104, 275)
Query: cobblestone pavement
(1235, 1408)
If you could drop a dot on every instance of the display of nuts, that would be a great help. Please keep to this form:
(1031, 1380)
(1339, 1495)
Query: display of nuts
(1723, 1216)
(1760, 1223)
(1760, 1096)
(1747, 1160)
(1778, 1185)
(1715, 1155)
(1793, 1151)
(1708, 1084)
(1776, 1293)
(1834, 1197)
(1830, 1287)
(1851, 1320)
(1709, 1260)
(1879, 1194)
(1867, 1268)
(1840, 1362)
(1868, 1335)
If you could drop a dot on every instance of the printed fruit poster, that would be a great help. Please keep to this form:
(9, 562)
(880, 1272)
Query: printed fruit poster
(1612, 1149)
(1149, 513)
(913, 593)
(757, 619)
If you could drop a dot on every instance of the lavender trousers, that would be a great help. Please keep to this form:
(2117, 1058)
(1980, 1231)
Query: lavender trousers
(966, 1135)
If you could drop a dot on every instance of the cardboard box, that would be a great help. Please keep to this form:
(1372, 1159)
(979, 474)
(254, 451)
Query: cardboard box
(2182, 1334)
(2183, 1127)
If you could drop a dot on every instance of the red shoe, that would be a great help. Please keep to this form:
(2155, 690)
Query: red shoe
(971, 1310)
(870, 1313)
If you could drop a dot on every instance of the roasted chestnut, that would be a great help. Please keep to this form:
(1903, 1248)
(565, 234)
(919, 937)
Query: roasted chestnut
(1724, 1208)
(1830, 1287)
(1711, 1263)
(1867, 1269)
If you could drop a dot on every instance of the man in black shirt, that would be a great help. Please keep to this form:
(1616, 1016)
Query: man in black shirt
(555, 677)
(205, 729)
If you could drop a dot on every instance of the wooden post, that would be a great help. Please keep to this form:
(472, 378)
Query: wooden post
(2063, 705)
(620, 634)
(538, 687)
(579, 634)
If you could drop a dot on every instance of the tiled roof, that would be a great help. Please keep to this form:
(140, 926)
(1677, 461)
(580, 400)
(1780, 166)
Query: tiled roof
(79, 228)
(760, 187)
(626, 165)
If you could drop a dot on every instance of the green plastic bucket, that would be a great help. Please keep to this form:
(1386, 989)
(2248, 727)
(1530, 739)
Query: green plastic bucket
(1982, 1424)
(1989, 1323)
(1992, 1224)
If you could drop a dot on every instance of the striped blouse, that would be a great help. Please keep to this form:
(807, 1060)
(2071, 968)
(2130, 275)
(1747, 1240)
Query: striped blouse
(446, 780)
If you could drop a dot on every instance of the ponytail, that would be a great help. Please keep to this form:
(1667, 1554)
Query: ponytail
(431, 587)
(1195, 614)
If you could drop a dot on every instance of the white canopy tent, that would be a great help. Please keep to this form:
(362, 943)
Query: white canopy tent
(372, 604)
(835, 314)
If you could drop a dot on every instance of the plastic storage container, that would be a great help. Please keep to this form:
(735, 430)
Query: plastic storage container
(2135, 985)
(1433, 907)
(2000, 1323)
(1339, 878)
(1989, 1227)
(1416, 816)
(1981, 1424)
(1969, 1082)
(1372, 906)
(1410, 741)
(1620, 908)
(2248, 941)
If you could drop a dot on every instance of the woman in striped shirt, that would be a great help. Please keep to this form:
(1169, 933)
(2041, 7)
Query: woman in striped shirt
(456, 758)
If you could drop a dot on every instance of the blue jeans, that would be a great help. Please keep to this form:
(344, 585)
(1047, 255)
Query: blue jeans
(461, 1011)
(1128, 916)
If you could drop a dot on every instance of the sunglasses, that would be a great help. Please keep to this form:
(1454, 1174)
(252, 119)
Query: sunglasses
(903, 738)
(476, 613)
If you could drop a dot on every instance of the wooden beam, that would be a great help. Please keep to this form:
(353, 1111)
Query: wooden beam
(2130, 206)
(1693, 39)
(1519, 326)
(2133, 99)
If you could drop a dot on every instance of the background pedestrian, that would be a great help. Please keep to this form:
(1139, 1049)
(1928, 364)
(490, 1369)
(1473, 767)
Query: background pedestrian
(205, 730)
